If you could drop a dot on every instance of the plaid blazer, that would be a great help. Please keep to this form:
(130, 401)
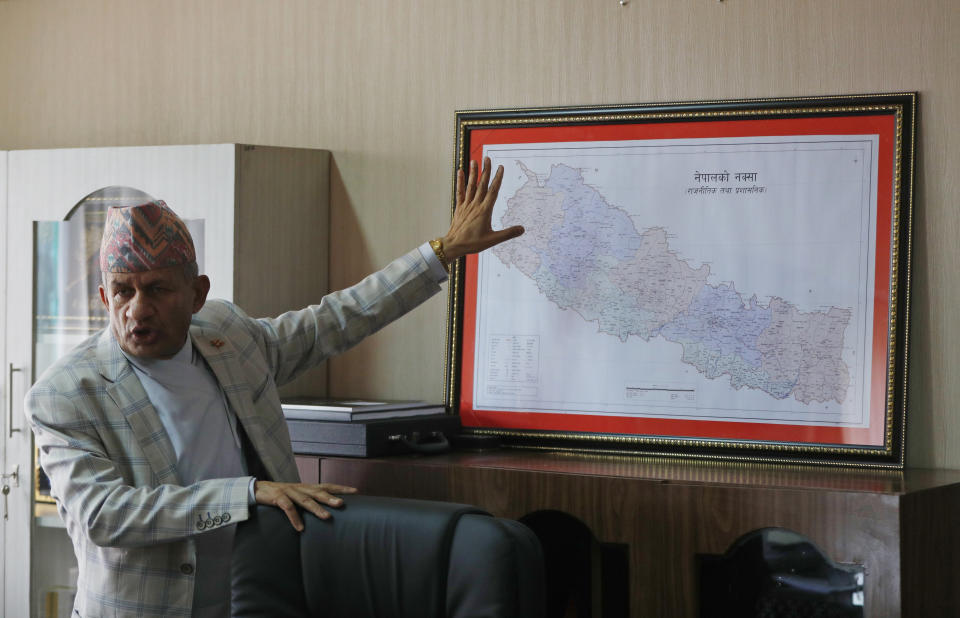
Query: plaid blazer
(112, 466)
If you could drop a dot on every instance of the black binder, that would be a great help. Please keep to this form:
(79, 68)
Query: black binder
(374, 438)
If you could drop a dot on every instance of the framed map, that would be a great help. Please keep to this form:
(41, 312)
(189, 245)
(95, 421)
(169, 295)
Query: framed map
(722, 280)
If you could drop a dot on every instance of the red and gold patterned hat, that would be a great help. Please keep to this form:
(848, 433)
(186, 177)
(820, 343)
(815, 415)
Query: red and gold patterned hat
(144, 237)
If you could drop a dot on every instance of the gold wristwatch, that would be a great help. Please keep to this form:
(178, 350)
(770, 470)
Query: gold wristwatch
(437, 245)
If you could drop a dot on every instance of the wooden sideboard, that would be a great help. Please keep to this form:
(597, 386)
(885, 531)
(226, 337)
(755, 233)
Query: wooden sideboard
(901, 526)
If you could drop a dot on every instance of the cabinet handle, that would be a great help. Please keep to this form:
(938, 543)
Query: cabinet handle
(12, 371)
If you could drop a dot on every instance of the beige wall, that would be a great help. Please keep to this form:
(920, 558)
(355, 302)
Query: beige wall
(377, 83)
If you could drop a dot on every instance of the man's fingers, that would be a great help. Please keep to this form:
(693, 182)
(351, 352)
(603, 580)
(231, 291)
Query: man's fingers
(333, 488)
(311, 505)
(484, 179)
(500, 236)
(495, 185)
(460, 193)
(288, 496)
(471, 187)
(326, 498)
(286, 505)
(323, 494)
(308, 503)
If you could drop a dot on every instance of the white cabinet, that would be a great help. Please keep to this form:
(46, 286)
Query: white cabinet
(5, 455)
(259, 216)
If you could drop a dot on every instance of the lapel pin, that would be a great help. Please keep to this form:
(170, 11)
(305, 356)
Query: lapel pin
(217, 343)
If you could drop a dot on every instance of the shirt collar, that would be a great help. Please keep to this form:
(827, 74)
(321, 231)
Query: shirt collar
(150, 366)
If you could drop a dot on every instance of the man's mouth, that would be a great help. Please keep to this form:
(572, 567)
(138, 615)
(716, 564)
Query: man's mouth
(142, 334)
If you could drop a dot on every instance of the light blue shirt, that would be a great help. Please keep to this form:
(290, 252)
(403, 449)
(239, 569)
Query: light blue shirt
(203, 431)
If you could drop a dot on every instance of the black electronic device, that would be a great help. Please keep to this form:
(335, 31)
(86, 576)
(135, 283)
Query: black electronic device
(374, 438)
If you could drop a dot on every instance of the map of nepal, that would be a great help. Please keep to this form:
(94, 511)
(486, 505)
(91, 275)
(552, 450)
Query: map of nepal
(587, 255)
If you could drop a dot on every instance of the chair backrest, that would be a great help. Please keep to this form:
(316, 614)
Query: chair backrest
(388, 557)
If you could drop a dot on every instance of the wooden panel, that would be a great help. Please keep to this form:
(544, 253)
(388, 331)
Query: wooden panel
(674, 470)
(931, 553)
(665, 523)
(377, 83)
(309, 469)
(282, 238)
(282, 232)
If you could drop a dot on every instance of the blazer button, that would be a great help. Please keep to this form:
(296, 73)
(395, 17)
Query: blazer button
(186, 568)
(225, 517)
(217, 521)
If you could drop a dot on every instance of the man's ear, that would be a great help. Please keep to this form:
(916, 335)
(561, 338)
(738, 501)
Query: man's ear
(103, 298)
(201, 287)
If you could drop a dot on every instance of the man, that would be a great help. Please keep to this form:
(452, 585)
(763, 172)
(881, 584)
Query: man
(160, 432)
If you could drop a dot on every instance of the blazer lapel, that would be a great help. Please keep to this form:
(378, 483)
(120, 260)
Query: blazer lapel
(127, 393)
(226, 363)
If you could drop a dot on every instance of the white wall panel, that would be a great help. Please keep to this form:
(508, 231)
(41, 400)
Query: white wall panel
(378, 83)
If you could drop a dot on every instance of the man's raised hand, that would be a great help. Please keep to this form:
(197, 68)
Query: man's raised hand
(471, 230)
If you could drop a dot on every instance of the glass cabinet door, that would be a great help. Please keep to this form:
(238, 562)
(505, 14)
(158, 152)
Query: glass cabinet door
(66, 303)
(55, 210)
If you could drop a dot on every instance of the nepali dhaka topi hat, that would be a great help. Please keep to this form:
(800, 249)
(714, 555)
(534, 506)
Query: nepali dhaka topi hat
(144, 237)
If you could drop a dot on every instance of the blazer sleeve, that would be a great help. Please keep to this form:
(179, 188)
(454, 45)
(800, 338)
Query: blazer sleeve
(94, 484)
(299, 340)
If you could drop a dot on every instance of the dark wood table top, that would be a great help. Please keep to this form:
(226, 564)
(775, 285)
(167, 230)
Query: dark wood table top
(674, 470)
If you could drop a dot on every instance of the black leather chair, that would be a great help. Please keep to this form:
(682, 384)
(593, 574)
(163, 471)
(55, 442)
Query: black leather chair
(388, 558)
(774, 572)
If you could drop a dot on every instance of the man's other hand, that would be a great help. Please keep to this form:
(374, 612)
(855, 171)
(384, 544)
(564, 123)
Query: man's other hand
(287, 496)
(471, 230)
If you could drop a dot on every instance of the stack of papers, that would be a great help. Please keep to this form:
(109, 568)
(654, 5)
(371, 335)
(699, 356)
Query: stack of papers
(354, 410)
